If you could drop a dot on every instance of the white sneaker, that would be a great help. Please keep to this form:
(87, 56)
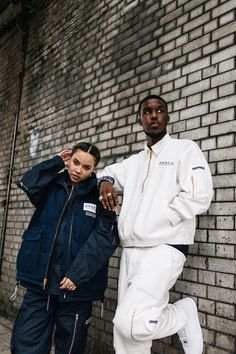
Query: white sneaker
(191, 334)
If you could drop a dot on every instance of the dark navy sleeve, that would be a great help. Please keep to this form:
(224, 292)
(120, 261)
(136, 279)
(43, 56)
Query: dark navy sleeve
(97, 250)
(35, 181)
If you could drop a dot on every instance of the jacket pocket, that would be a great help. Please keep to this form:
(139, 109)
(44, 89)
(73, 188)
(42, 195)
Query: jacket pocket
(27, 258)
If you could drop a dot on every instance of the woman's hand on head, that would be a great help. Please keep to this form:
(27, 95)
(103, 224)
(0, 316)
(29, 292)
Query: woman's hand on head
(65, 155)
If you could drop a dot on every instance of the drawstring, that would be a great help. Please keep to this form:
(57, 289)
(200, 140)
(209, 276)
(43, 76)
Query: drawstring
(48, 302)
(14, 294)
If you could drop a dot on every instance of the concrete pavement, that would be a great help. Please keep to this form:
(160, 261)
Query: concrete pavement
(5, 335)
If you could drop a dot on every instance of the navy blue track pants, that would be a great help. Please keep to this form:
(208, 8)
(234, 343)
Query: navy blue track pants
(41, 316)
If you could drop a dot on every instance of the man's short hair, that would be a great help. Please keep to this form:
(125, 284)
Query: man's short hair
(150, 97)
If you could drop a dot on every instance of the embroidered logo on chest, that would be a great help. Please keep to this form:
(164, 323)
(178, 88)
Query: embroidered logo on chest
(166, 163)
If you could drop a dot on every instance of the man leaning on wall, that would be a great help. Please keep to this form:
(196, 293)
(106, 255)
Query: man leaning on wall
(164, 187)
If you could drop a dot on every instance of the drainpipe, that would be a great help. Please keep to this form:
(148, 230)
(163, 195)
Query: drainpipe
(22, 24)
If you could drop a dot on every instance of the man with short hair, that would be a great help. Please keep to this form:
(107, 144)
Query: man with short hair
(164, 187)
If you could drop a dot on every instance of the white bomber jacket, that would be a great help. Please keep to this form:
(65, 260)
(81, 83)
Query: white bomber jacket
(164, 188)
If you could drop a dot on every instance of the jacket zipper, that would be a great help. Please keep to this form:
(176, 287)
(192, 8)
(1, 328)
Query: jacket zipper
(148, 169)
(70, 236)
(45, 280)
(74, 332)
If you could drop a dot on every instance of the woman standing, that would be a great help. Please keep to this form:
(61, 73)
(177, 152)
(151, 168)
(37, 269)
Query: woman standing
(63, 258)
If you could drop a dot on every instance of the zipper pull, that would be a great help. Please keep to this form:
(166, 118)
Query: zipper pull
(45, 280)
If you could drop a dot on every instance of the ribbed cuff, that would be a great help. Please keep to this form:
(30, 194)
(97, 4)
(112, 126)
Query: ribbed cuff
(105, 178)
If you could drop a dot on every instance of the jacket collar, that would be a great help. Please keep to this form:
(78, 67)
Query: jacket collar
(83, 187)
(156, 148)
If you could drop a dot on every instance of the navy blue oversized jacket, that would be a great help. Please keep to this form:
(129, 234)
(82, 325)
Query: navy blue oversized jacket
(89, 232)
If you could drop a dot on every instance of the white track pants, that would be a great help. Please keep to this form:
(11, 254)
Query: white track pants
(143, 312)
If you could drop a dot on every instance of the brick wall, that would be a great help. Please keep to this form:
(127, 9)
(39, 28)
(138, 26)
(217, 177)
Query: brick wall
(88, 65)
(10, 66)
